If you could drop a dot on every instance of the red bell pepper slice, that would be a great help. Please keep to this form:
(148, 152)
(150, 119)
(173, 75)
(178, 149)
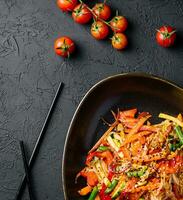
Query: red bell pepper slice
(102, 194)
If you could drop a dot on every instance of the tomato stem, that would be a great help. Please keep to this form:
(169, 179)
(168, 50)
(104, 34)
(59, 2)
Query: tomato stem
(166, 34)
(94, 15)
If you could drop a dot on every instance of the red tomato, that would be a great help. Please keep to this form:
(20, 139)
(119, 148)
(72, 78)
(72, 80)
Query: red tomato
(119, 41)
(166, 36)
(102, 11)
(67, 5)
(81, 14)
(119, 24)
(64, 46)
(99, 30)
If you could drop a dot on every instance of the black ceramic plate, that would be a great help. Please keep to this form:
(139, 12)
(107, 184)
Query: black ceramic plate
(124, 91)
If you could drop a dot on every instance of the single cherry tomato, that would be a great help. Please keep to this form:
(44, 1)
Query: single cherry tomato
(119, 41)
(102, 11)
(81, 14)
(119, 24)
(64, 46)
(166, 36)
(67, 5)
(99, 30)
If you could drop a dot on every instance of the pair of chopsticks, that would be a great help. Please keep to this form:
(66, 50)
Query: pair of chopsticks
(35, 152)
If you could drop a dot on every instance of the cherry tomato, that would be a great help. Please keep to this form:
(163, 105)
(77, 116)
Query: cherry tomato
(102, 11)
(166, 36)
(119, 41)
(64, 46)
(119, 24)
(81, 14)
(99, 30)
(67, 5)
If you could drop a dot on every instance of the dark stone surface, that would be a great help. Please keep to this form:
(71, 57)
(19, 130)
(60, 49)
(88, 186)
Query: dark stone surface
(30, 73)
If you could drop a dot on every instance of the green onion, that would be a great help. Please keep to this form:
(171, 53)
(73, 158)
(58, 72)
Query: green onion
(129, 174)
(136, 173)
(103, 148)
(118, 192)
(179, 133)
(112, 186)
(93, 193)
(172, 147)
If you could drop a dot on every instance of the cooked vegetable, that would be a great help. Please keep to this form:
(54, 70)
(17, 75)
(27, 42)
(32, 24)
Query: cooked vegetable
(103, 148)
(84, 191)
(119, 190)
(137, 173)
(93, 193)
(112, 186)
(173, 119)
(135, 159)
(179, 134)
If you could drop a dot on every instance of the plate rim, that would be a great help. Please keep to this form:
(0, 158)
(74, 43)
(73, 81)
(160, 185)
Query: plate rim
(128, 74)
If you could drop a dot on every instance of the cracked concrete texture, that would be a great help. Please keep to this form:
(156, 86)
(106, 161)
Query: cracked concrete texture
(30, 73)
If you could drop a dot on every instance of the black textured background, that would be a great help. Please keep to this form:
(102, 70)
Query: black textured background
(30, 73)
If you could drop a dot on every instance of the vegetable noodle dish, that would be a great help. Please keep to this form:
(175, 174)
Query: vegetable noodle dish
(136, 160)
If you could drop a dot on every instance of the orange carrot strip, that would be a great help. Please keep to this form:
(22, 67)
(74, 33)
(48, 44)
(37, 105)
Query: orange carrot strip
(149, 128)
(103, 137)
(152, 157)
(142, 140)
(139, 125)
(128, 113)
(132, 138)
(149, 187)
(97, 197)
(84, 191)
(126, 153)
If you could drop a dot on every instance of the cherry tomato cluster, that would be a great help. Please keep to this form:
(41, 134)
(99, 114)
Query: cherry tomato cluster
(100, 28)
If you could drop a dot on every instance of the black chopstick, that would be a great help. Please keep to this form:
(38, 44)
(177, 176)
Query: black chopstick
(26, 168)
(39, 140)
